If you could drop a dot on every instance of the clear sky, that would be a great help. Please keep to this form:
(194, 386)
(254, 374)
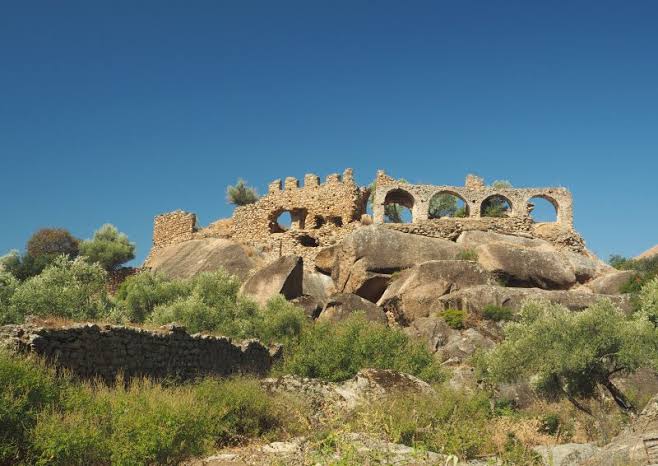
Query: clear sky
(115, 111)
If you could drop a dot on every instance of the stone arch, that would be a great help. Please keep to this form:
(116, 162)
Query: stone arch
(554, 202)
(401, 197)
(461, 210)
(488, 206)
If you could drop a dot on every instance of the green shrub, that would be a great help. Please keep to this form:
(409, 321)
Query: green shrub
(448, 421)
(549, 424)
(8, 285)
(455, 318)
(336, 351)
(497, 313)
(573, 354)
(109, 247)
(26, 388)
(139, 294)
(468, 254)
(72, 289)
(281, 322)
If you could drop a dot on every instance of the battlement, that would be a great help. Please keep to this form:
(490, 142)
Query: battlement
(311, 180)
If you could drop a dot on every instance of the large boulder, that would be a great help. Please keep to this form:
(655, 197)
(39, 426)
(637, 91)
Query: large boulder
(283, 276)
(184, 260)
(415, 291)
(475, 299)
(342, 305)
(522, 266)
(475, 238)
(318, 285)
(381, 250)
(611, 283)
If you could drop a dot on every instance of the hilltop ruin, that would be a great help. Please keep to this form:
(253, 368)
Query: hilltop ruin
(323, 213)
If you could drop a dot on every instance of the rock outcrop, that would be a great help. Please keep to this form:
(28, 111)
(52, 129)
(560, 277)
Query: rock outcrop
(414, 293)
(283, 276)
(184, 260)
(342, 305)
(476, 298)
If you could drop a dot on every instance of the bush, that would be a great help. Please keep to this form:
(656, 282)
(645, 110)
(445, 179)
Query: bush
(455, 318)
(572, 354)
(25, 266)
(648, 301)
(109, 247)
(8, 285)
(646, 269)
(72, 289)
(497, 313)
(468, 255)
(446, 422)
(281, 322)
(52, 242)
(336, 351)
(139, 294)
(26, 388)
(240, 194)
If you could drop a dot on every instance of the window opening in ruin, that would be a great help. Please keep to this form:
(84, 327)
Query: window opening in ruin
(336, 221)
(281, 223)
(496, 206)
(308, 241)
(318, 221)
(447, 204)
(398, 205)
(542, 209)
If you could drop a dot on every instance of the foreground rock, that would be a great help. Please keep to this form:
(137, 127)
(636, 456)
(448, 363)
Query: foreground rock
(636, 445)
(415, 292)
(283, 276)
(342, 305)
(568, 454)
(366, 386)
(476, 298)
(350, 448)
(184, 260)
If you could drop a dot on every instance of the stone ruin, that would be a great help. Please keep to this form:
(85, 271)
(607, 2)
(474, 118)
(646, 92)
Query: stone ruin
(322, 214)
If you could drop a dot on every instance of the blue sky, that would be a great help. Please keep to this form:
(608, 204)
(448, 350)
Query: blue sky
(117, 111)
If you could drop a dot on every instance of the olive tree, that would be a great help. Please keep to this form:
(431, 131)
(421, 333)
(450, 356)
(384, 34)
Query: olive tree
(569, 354)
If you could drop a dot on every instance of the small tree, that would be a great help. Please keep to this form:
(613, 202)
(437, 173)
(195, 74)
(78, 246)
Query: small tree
(568, 354)
(52, 242)
(240, 194)
(109, 247)
(497, 206)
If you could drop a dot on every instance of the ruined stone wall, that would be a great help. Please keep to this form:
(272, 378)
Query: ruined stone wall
(321, 213)
(171, 228)
(89, 350)
(474, 194)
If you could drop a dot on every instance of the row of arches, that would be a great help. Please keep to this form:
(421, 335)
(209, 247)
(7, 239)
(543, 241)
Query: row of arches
(399, 205)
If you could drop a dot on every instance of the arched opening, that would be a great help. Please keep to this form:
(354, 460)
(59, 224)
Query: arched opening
(543, 209)
(281, 222)
(496, 206)
(447, 204)
(398, 205)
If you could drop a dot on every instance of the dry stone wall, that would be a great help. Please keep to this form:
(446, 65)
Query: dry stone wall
(90, 350)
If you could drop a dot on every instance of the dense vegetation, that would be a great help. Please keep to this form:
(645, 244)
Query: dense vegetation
(645, 270)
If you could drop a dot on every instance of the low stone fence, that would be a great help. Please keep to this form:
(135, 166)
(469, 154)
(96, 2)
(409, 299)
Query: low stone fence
(90, 350)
